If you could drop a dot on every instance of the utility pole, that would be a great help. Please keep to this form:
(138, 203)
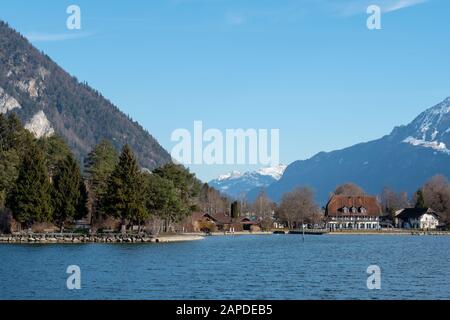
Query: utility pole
(303, 226)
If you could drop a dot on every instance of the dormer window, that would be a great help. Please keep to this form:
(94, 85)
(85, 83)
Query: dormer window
(354, 210)
(363, 210)
(345, 210)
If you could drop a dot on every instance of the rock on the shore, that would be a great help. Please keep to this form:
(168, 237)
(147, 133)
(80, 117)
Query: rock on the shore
(119, 238)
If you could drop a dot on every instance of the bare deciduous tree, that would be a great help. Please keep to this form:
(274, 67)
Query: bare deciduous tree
(392, 201)
(349, 189)
(437, 195)
(298, 207)
(263, 208)
(211, 201)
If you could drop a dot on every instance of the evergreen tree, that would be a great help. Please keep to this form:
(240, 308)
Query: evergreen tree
(14, 142)
(9, 169)
(30, 198)
(67, 197)
(187, 185)
(13, 135)
(124, 197)
(99, 165)
(162, 198)
(55, 150)
(420, 199)
(235, 210)
(82, 209)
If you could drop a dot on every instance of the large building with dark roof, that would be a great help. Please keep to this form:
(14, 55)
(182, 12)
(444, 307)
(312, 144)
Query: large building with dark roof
(353, 212)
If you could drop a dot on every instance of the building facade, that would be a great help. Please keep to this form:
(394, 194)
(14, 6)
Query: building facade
(417, 218)
(353, 213)
(202, 222)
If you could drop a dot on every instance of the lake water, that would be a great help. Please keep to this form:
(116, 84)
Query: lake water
(247, 267)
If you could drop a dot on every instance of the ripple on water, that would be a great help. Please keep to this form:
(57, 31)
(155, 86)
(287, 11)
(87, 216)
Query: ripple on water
(247, 267)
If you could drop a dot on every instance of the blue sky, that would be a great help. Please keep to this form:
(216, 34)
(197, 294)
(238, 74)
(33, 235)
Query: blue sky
(310, 68)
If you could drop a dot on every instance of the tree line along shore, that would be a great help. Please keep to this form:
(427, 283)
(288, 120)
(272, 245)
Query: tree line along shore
(42, 186)
(44, 189)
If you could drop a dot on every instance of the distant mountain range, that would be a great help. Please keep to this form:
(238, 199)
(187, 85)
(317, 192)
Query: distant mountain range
(236, 184)
(402, 160)
(48, 100)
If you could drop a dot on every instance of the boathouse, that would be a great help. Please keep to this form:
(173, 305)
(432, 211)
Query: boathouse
(201, 222)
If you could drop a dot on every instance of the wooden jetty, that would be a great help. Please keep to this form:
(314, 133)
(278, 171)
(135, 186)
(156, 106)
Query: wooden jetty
(312, 232)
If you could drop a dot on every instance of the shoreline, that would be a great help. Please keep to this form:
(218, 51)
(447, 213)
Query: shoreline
(181, 237)
(393, 233)
(356, 233)
(105, 239)
(229, 234)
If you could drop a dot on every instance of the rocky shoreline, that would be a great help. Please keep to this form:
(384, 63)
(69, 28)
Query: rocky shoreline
(62, 238)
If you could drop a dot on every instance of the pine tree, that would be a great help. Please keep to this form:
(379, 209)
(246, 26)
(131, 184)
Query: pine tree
(14, 142)
(67, 199)
(124, 197)
(82, 209)
(187, 185)
(55, 150)
(420, 199)
(9, 169)
(235, 210)
(99, 164)
(162, 198)
(13, 135)
(30, 198)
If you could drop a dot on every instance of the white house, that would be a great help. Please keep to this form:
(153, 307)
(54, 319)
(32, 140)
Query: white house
(417, 218)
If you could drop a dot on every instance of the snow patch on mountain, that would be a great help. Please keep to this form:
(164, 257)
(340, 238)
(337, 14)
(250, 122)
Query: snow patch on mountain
(275, 172)
(438, 146)
(7, 103)
(231, 175)
(40, 126)
(430, 120)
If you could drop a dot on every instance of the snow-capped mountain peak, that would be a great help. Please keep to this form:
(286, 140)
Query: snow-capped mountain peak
(236, 184)
(431, 129)
(231, 175)
(275, 172)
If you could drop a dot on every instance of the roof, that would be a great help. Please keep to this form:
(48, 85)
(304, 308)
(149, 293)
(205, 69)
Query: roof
(362, 205)
(197, 216)
(248, 221)
(220, 218)
(414, 213)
